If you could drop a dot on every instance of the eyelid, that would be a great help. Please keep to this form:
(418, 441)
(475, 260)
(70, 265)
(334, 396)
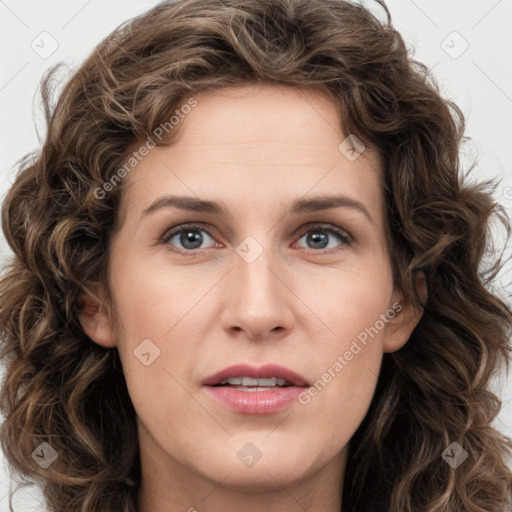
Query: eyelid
(171, 232)
(326, 226)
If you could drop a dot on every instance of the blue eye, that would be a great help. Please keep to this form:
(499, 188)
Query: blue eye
(191, 238)
(319, 235)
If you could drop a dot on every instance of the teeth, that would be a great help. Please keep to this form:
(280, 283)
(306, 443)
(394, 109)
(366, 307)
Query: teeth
(236, 381)
(255, 388)
(248, 381)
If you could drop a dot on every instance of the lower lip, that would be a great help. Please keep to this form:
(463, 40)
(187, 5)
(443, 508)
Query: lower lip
(255, 402)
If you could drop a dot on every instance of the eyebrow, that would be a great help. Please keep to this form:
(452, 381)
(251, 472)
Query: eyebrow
(297, 207)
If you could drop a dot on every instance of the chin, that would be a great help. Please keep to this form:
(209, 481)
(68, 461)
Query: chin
(262, 477)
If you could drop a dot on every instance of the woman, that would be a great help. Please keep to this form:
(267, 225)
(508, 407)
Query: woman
(246, 276)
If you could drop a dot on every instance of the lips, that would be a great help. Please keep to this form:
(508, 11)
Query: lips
(268, 371)
(246, 389)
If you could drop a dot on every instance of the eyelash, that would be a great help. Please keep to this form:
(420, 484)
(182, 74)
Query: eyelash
(345, 238)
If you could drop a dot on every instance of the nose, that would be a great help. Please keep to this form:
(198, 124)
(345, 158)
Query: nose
(259, 298)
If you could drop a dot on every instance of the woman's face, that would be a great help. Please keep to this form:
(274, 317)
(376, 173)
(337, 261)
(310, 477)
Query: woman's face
(281, 260)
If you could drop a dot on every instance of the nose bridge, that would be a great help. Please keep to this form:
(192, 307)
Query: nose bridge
(259, 301)
(253, 268)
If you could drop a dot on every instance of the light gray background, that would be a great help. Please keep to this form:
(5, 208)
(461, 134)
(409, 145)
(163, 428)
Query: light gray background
(478, 79)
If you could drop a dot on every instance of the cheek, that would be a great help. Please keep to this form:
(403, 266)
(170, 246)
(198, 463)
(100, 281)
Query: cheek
(348, 300)
(157, 310)
(349, 355)
(343, 389)
(152, 300)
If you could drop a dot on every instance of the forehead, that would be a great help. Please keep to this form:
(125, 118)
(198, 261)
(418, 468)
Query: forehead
(269, 144)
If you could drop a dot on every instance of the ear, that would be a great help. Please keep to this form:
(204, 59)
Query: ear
(96, 319)
(402, 325)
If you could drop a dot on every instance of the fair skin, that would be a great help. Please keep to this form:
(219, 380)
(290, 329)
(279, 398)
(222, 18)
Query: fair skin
(254, 150)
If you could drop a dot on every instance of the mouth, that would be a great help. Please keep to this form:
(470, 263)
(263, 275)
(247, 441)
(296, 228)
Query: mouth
(250, 384)
(246, 376)
(255, 390)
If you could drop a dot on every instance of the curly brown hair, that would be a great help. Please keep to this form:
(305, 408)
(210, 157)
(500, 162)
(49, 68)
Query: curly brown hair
(62, 389)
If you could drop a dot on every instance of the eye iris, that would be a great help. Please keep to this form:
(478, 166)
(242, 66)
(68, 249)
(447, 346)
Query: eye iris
(194, 237)
(318, 237)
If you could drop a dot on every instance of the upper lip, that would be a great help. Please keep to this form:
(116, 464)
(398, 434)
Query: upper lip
(256, 372)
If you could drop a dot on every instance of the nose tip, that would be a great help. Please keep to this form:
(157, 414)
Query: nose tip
(259, 300)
